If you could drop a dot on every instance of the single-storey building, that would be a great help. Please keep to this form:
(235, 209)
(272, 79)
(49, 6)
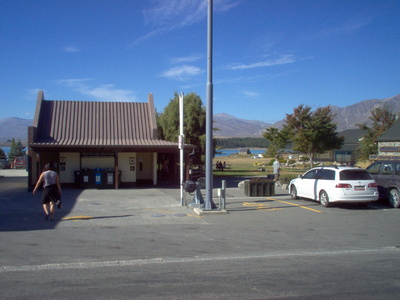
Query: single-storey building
(389, 143)
(101, 144)
(347, 153)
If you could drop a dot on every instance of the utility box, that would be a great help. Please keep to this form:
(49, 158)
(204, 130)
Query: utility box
(259, 186)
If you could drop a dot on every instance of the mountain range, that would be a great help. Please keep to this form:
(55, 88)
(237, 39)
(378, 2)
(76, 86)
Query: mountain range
(230, 126)
(345, 118)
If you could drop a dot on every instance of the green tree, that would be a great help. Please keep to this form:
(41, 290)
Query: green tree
(194, 123)
(16, 150)
(278, 139)
(312, 133)
(382, 118)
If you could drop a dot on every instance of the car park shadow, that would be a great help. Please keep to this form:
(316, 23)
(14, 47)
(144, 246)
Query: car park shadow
(21, 211)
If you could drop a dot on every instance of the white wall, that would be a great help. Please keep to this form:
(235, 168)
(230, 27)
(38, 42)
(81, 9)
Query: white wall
(127, 165)
(145, 165)
(98, 162)
(72, 164)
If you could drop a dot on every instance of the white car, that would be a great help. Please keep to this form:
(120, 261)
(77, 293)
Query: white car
(335, 184)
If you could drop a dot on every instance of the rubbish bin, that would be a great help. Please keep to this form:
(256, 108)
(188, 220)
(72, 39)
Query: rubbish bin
(78, 179)
(87, 178)
(108, 179)
(98, 175)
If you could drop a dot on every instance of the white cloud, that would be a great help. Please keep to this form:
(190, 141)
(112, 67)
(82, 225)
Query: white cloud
(250, 94)
(344, 26)
(165, 16)
(282, 60)
(104, 92)
(181, 72)
(71, 49)
(186, 59)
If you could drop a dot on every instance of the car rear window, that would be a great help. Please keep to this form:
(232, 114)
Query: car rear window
(354, 175)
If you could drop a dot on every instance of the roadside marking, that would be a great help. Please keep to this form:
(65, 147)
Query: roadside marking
(293, 204)
(196, 259)
(170, 212)
(263, 206)
(77, 218)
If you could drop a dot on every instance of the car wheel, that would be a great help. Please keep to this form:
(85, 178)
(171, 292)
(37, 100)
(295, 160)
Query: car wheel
(324, 199)
(293, 192)
(394, 198)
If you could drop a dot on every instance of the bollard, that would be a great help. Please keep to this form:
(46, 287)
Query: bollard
(223, 192)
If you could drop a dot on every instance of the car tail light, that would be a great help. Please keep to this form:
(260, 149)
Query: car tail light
(343, 186)
(372, 185)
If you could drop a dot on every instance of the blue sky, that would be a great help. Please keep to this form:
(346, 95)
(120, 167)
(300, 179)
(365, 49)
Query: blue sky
(269, 56)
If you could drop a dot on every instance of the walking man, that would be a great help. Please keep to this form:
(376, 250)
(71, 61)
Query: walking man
(277, 170)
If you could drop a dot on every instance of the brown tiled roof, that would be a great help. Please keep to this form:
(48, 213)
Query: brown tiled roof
(85, 123)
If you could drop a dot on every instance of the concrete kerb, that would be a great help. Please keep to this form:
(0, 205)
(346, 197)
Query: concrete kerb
(201, 212)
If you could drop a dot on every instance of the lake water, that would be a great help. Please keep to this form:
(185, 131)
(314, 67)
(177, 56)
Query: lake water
(226, 152)
(222, 152)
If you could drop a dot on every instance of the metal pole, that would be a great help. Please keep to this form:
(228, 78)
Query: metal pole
(181, 144)
(209, 112)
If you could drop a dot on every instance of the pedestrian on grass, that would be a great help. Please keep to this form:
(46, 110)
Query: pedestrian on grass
(51, 191)
(277, 170)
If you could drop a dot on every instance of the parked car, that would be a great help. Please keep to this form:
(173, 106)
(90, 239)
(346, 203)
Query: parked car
(387, 176)
(335, 184)
(20, 163)
(4, 164)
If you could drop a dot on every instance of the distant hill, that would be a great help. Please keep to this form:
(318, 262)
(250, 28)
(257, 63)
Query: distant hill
(346, 118)
(230, 126)
(14, 128)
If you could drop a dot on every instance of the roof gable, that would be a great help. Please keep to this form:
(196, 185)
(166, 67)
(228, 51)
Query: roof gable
(86, 123)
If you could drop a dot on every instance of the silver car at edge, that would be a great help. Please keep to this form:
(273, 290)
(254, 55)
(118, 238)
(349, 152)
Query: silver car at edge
(330, 185)
(387, 176)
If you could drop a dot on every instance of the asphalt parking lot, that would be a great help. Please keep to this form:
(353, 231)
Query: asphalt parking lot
(108, 234)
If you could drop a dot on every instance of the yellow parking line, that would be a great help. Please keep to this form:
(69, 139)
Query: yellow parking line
(293, 204)
(261, 206)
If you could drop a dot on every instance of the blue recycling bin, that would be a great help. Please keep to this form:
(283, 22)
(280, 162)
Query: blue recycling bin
(98, 176)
